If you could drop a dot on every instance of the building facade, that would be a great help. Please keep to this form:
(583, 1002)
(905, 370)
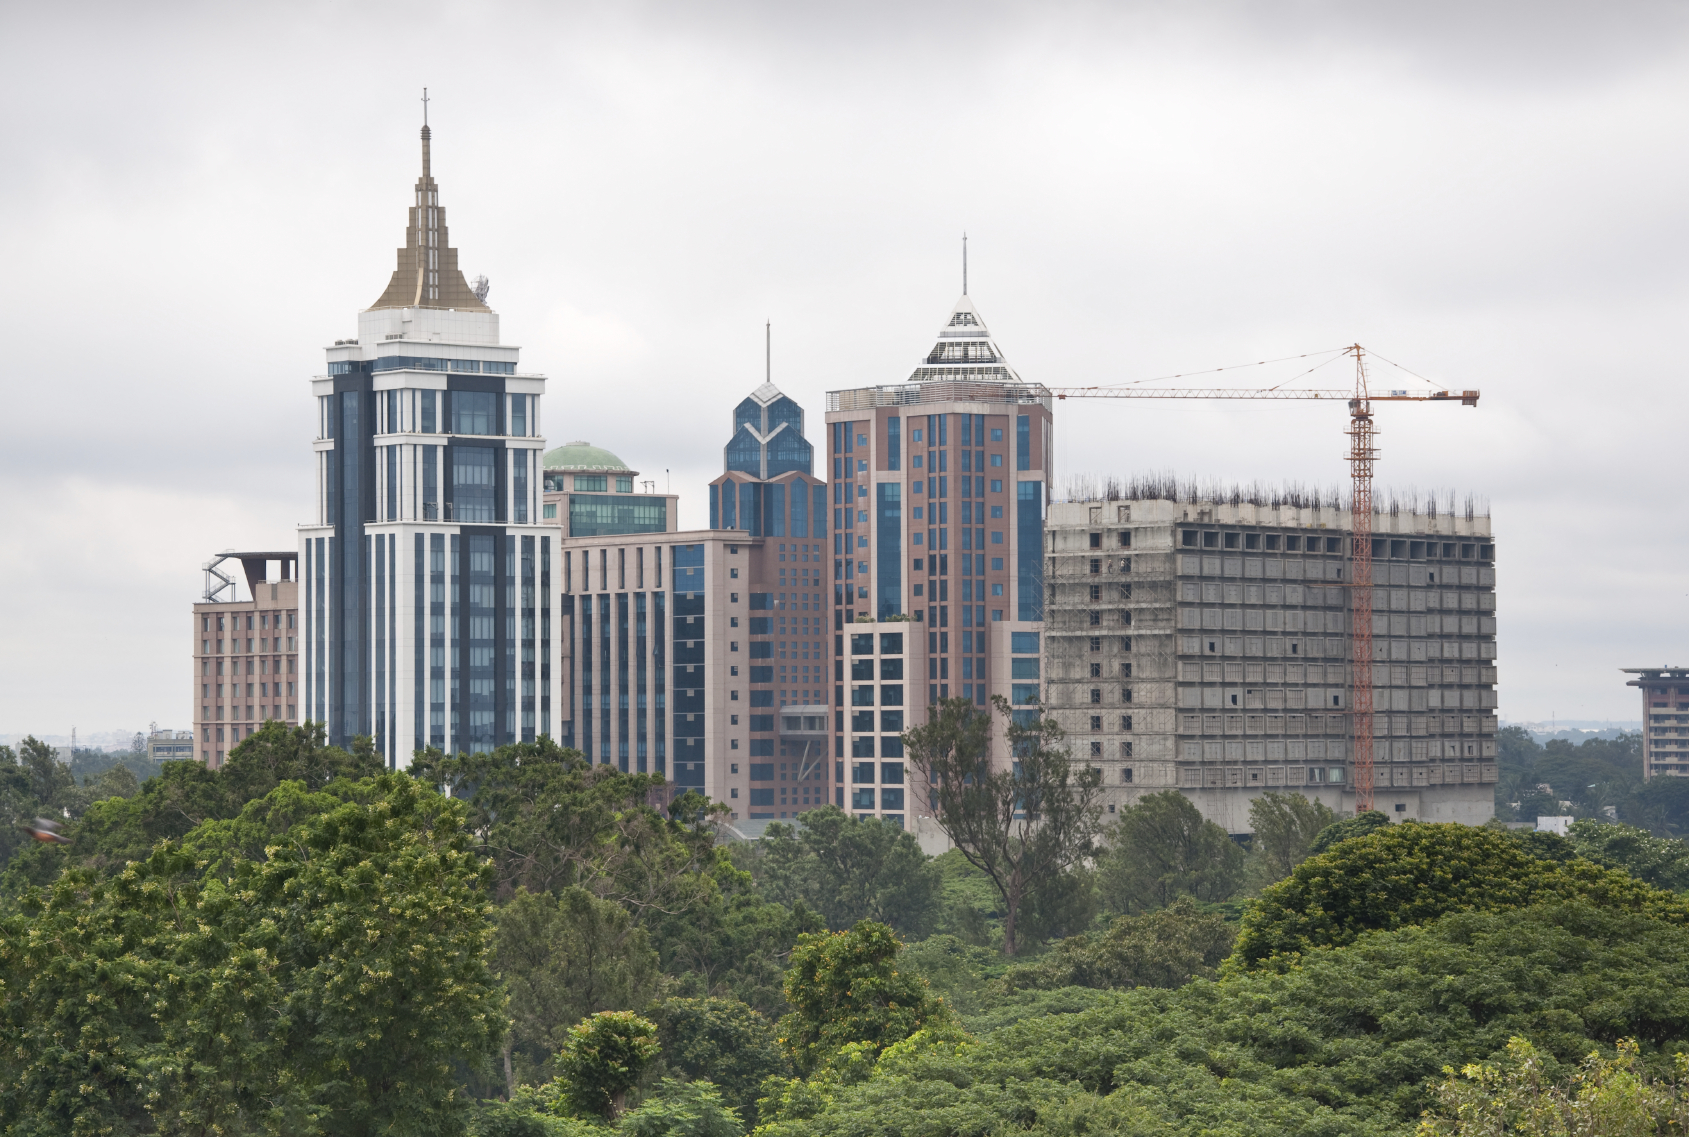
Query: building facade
(245, 652)
(1665, 719)
(1205, 647)
(427, 575)
(589, 492)
(769, 496)
(938, 492)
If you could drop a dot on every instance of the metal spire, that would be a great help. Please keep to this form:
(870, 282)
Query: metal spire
(964, 263)
(426, 136)
(768, 351)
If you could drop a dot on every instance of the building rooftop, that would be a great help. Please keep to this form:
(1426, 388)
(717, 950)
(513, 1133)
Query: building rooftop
(585, 456)
(416, 283)
(965, 350)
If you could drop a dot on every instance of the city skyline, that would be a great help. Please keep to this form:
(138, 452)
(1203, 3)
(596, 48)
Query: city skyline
(1169, 194)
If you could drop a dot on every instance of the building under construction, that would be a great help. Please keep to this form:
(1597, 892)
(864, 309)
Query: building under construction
(1205, 645)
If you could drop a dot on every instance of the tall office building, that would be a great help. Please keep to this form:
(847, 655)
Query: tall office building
(427, 577)
(938, 492)
(769, 493)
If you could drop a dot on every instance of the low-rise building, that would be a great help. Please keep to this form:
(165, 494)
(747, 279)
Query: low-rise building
(590, 492)
(170, 745)
(245, 652)
(1665, 719)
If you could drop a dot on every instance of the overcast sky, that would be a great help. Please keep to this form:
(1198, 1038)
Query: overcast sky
(199, 197)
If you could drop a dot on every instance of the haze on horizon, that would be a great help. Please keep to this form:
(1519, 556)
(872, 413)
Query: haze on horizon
(201, 197)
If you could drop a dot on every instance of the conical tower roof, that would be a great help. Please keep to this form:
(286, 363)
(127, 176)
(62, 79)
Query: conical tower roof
(428, 276)
(965, 351)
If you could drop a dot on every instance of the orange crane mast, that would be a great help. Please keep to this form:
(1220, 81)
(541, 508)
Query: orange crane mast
(1363, 456)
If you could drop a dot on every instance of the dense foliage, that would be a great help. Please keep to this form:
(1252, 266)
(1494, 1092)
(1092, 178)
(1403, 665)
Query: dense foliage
(338, 978)
(1412, 873)
(303, 943)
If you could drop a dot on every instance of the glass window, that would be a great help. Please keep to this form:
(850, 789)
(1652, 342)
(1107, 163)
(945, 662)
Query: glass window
(592, 515)
(591, 483)
(474, 412)
(521, 459)
(1029, 536)
(519, 415)
(1023, 442)
(472, 483)
(891, 643)
(894, 443)
(1023, 643)
(862, 643)
(889, 578)
(1024, 668)
(996, 434)
(624, 485)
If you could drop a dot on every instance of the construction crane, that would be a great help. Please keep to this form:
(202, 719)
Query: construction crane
(1363, 456)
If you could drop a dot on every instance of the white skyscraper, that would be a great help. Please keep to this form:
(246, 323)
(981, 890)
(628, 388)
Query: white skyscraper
(426, 580)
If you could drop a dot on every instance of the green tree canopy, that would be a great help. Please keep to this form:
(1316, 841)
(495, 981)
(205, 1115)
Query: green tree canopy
(1342, 830)
(603, 1058)
(1021, 823)
(1413, 873)
(1285, 825)
(721, 1040)
(1160, 849)
(338, 981)
(550, 820)
(563, 957)
(1660, 861)
(850, 869)
(1165, 948)
(846, 987)
(1347, 1044)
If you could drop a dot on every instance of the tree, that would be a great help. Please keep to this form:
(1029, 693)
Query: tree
(562, 958)
(1349, 827)
(1413, 872)
(682, 1109)
(722, 1040)
(377, 913)
(1166, 948)
(1285, 826)
(1607, 1097)
(846, 987)
(550, 820)
(603, 1059)
(338, 982)
(1660, 861)
(1028, 822)
(1161, 848)
(851, 869)
(1348, 1043)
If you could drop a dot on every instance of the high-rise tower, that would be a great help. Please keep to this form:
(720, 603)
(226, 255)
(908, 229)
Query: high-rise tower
(938, 492)
(426, 579)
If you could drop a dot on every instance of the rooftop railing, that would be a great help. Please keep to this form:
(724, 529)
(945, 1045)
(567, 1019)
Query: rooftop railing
(939, 391)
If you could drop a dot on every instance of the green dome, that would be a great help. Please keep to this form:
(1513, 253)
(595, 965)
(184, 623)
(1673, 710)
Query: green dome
(583, 456)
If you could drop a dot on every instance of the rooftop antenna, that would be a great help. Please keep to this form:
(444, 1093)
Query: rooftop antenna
(768, 351)
(964, 263)
(426, 135)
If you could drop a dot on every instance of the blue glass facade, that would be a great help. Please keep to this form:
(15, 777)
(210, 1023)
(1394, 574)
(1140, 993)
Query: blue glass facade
(1029, 547)
(768, 439)
(888, 540)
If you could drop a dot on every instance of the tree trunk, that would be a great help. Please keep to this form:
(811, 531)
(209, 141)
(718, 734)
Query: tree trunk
(509, 1076)
(1011, 902)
